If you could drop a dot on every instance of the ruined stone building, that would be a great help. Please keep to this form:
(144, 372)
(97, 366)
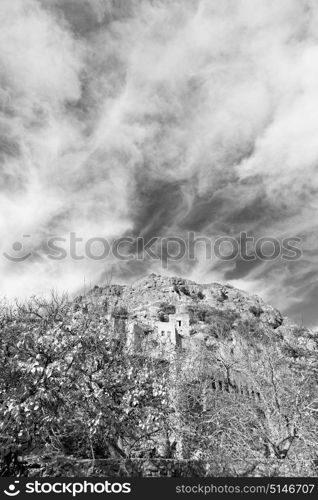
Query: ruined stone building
(177, 330)
(166, 334)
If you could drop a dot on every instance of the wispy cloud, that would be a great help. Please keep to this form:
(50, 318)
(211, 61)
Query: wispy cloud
(160, 117)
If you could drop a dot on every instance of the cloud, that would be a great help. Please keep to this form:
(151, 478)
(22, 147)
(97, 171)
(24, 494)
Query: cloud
(159, 117)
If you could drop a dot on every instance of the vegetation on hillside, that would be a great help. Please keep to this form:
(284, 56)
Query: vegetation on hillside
(68, 387)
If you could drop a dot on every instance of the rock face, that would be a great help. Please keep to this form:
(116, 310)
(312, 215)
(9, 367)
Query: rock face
(144, 298)
(160, 313)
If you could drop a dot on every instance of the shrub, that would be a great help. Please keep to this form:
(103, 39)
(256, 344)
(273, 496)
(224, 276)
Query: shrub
(163, 317)
(185, 290)
(68, 387)
(256, 310)
(120, 312)
(167, 308)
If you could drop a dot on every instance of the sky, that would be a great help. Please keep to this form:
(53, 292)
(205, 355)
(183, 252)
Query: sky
(156, 118)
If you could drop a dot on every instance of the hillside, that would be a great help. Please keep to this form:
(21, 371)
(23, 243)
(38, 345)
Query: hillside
(162, 377)
(216, 311)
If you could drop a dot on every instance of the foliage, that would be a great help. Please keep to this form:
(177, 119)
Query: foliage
(69, 387)
(256, 310)
(269, 430)
(66, 385)
(120, 312)
(167, 308)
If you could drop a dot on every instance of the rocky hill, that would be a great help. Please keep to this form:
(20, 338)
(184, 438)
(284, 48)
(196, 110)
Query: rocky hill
(214, 309)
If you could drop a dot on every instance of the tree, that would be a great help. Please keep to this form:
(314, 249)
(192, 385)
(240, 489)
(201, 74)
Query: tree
(68, 386)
